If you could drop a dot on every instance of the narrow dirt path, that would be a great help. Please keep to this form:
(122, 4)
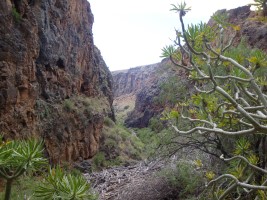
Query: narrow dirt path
(137, 182)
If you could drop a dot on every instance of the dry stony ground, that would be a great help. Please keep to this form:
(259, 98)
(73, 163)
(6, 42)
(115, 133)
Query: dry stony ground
(123, 105)
(138, 182)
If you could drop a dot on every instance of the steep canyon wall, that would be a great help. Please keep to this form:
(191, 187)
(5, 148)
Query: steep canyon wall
(143, 84)
(54, 83)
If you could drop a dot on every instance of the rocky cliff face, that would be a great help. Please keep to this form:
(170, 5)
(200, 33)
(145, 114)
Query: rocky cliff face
(51, 74)
(142, 84)
(131, 86)
(252, 27)
(134, 79)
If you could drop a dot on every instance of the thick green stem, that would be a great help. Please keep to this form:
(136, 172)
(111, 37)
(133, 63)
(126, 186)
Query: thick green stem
(8, 189)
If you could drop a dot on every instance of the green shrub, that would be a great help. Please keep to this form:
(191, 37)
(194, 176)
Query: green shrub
(95, 104)
(99, 161)
(172, 91)
(16, 158)
(58, 185)
(137, 143)
(16, 15)
(108, 122)
(150, 139)
(124, 134)
(115, 162)
(68, 105)
(186, 179)
(144, 134)
(156, 124)
(119, 145)
(110, 143)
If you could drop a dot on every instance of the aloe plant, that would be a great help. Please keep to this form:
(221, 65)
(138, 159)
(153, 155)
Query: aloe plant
(58, 185)
(18, 157)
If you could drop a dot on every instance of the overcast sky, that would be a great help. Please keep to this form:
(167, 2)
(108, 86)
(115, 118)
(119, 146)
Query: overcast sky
(131, 33)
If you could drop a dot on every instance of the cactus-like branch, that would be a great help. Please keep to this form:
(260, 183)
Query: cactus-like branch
(215, 130)
(247, 162)
(239, 108)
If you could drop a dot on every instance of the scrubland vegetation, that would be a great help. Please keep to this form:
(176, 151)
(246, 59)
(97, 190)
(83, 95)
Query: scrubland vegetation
(217, 134)
(26, 174)
(226, 117)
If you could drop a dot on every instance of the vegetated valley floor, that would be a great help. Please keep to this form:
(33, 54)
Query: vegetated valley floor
(139, 181)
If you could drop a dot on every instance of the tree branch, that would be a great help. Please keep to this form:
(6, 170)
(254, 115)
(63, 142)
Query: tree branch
(215, 130)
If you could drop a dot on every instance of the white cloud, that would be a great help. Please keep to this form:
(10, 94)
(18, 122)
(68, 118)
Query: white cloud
(132, 33)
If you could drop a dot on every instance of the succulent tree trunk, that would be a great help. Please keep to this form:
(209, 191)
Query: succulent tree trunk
(8, 189)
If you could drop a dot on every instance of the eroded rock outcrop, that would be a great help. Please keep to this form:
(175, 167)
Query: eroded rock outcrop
(53, 79)
(142, 84)
(133, 84)
(253, 28)
(134, 79)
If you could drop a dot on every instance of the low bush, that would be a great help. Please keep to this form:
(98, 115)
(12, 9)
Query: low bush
(156, 124)
(108, 122)
(58, 185)
(16, 15)
(185, 179)
(99, 161)
(119, 146)
(150, 139)
(68, 105)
